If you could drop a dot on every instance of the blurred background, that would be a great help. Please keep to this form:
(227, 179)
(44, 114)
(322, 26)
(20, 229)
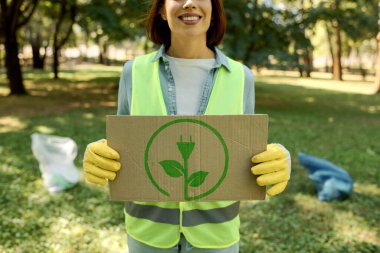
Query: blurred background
(316, 72)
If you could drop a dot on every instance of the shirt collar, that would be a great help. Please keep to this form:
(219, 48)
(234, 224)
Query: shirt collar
(220, 58)
(160, 53)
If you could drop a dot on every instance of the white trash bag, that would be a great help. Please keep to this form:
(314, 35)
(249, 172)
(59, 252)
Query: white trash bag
(56, 157)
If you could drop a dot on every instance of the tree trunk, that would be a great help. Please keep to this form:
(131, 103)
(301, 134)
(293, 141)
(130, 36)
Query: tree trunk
(330, 43)
(337, 51)
(38, 59)
(55, 61)
(37, 62)
(308, 60)
(100, 60)
(377, 80)
(337, 47)
(305, 59)
(1, 56)
(101, 57)
(13, 17)
(105, 54)
(56, 47)
(12, 63)
(58, 43)
(299, 63)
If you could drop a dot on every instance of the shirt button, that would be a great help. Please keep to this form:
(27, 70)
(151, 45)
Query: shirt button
(170, 89)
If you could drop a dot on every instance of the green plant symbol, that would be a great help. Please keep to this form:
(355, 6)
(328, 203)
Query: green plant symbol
(176, 169)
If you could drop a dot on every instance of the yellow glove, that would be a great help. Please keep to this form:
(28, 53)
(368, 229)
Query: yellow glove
(100, 162)
(274, 166)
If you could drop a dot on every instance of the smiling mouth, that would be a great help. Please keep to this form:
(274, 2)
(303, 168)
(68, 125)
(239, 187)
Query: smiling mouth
(190, 18)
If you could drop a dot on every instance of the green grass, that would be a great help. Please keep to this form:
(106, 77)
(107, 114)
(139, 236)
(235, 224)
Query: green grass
(341, 127)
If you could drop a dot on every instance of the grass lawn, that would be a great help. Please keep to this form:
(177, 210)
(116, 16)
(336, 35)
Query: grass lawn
(342, 127)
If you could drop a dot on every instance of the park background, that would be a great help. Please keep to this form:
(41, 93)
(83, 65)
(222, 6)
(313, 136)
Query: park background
(315, 65)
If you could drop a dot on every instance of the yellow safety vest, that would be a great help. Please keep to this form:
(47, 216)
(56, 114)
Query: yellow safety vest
(204, 224)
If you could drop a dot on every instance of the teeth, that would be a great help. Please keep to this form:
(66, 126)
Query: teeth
(190, 18)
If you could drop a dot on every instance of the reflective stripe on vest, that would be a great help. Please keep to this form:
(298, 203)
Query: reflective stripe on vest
(189, 218)
(204, 224)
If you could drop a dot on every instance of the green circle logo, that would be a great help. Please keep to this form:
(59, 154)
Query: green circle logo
(178, 169)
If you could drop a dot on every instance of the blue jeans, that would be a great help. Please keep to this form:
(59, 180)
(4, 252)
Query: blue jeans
(183, 246)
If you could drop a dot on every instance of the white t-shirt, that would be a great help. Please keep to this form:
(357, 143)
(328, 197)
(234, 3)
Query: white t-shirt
(189, 77)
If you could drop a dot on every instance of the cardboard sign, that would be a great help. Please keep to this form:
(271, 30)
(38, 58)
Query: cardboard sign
(186, 158)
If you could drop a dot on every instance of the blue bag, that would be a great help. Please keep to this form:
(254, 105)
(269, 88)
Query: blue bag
(331, 181)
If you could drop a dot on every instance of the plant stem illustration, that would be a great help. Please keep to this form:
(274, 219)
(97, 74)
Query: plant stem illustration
(175, 169)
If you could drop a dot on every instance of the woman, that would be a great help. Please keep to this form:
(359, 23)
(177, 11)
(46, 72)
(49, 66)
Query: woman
(188, 75)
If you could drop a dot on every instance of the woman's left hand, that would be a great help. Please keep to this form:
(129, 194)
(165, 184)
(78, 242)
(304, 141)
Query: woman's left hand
(273, 166)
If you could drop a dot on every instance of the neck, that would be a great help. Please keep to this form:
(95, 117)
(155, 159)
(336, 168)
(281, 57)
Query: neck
(189, 49)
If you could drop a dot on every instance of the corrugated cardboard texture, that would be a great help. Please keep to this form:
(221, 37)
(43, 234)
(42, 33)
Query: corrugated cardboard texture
(186, 158)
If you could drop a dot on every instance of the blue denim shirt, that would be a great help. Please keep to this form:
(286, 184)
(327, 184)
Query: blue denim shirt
(169, 89)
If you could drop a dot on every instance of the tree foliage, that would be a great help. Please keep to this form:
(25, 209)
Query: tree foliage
(107, 22)
(277, 33)
(254, 32)
(358, 18)
(263, 34)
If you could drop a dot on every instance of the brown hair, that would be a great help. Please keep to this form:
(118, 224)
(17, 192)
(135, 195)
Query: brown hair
(159, 32)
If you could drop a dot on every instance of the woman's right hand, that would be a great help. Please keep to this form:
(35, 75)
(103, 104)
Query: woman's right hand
(100, 162)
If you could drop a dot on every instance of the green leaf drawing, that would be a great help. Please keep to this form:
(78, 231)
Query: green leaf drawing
(197, 178)
(172, 168)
